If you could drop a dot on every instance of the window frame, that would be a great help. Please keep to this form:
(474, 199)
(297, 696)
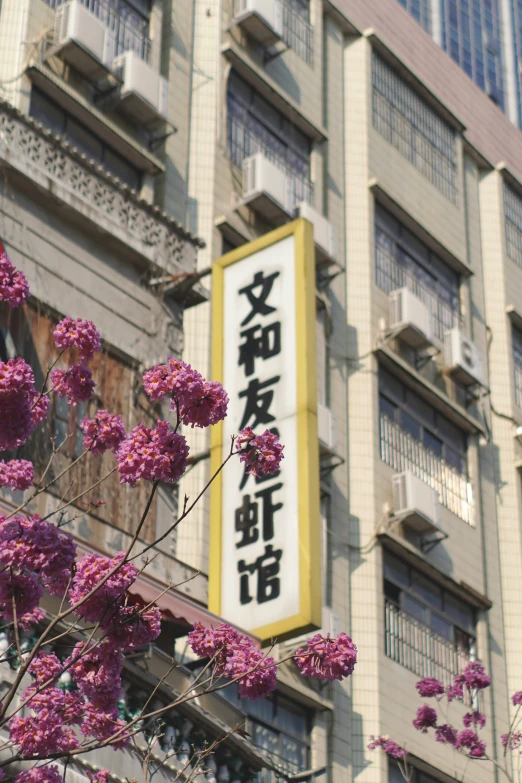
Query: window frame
(402, 408)
(516, 337)
(409, 590)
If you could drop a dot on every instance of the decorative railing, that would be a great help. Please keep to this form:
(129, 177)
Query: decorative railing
(244, 142)
(28, 148)
(403, 452)
(128, 36)
(419, 649)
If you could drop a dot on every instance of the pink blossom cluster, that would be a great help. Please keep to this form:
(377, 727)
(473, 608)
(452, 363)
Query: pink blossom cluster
(512, 740)
(262, 454)
(34, 554)
(16, 474)
(389, 746)
(105, 431)
(99, 777)
(327, 658)
(425, 719)
(235, 657)
(96, 670)
(429, 687)
(517, 698)
(21, 406)
(14, 288)
(79, 334)
(196, 401)
(44, 774)
(76, 383)
(158, 454)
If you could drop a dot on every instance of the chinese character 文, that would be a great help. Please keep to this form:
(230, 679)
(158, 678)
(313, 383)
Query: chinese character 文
(247, 516)
(268, 582)
(260, 343)
(258, 402)
(258, 302)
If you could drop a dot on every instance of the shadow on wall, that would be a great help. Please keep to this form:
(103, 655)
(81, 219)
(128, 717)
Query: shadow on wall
(281, 74)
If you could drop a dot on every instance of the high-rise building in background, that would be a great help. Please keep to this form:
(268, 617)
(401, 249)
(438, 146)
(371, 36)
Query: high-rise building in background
(130, 129)
(485, 38)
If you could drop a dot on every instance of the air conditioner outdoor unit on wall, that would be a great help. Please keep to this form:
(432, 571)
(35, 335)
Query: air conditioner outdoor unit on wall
(265, 187)
(261, 19)
(415, 502)
(326, 427)
(325, 237)
(144, 92)
(463, 359)
(83, 40)
(410, 318)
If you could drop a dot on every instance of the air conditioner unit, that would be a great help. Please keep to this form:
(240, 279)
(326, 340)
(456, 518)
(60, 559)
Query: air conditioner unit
(144, 92)
(262, 20)
(326, 428)
(266, 187)
(415, 503)
(325, 237)
(463, 359)
(410, 318)
(83, 40)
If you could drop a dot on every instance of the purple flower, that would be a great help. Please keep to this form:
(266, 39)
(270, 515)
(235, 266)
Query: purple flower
(89, 572)
(17, 474)
(475, 676)
(76, 383)
(327, 658)
(152, 454)
(24, 588)
(426, 718)
(105, 431)
(133, 626)
(517, 698)
(446, 734)
(21, 408)
(262, 454)
(512, 740)
(14, 288)
(82, 335)
(390, 747)
(47, 774)
(474, 719)
(429, 687)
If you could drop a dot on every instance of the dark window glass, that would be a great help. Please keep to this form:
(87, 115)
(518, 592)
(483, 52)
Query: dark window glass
(47, 112)
(396, 569)
(84, 140)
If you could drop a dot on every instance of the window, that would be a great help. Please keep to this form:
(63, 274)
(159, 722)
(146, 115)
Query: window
(256, 126)
(428, 629)
(395, 775)
(59, 122)
(401, 261)
(414, 436)
(471, 36)
(513, 220)
(420, 10)
(411, 125)
(66, 424)
(297, 30)
(129, 19)
(281, 728)
(517, 361)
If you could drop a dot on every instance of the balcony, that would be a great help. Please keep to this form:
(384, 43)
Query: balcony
(419, 649)
(402, 452)
(58, 171)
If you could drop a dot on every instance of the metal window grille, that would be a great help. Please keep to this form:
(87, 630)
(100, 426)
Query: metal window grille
(414, 129)
(402, 451)
(419, 649)
(247, 136)
(392, 272)
(130, 34)
(513, 220)
(517, 362)
(297, 30)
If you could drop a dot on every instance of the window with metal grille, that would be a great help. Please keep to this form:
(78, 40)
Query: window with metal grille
(281, 729)
(402, 261)
(428, 629)
(513, 221)
(60, 122)
(254, 125)
(414, 128)
(297, 30)
(517, 363)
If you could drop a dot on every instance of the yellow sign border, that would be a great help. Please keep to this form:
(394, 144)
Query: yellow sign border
(310, 602)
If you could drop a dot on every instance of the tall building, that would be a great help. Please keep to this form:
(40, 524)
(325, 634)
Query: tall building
(132, 136)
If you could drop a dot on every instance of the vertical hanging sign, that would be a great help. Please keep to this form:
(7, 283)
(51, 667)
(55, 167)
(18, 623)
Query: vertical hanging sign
(265, 533)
